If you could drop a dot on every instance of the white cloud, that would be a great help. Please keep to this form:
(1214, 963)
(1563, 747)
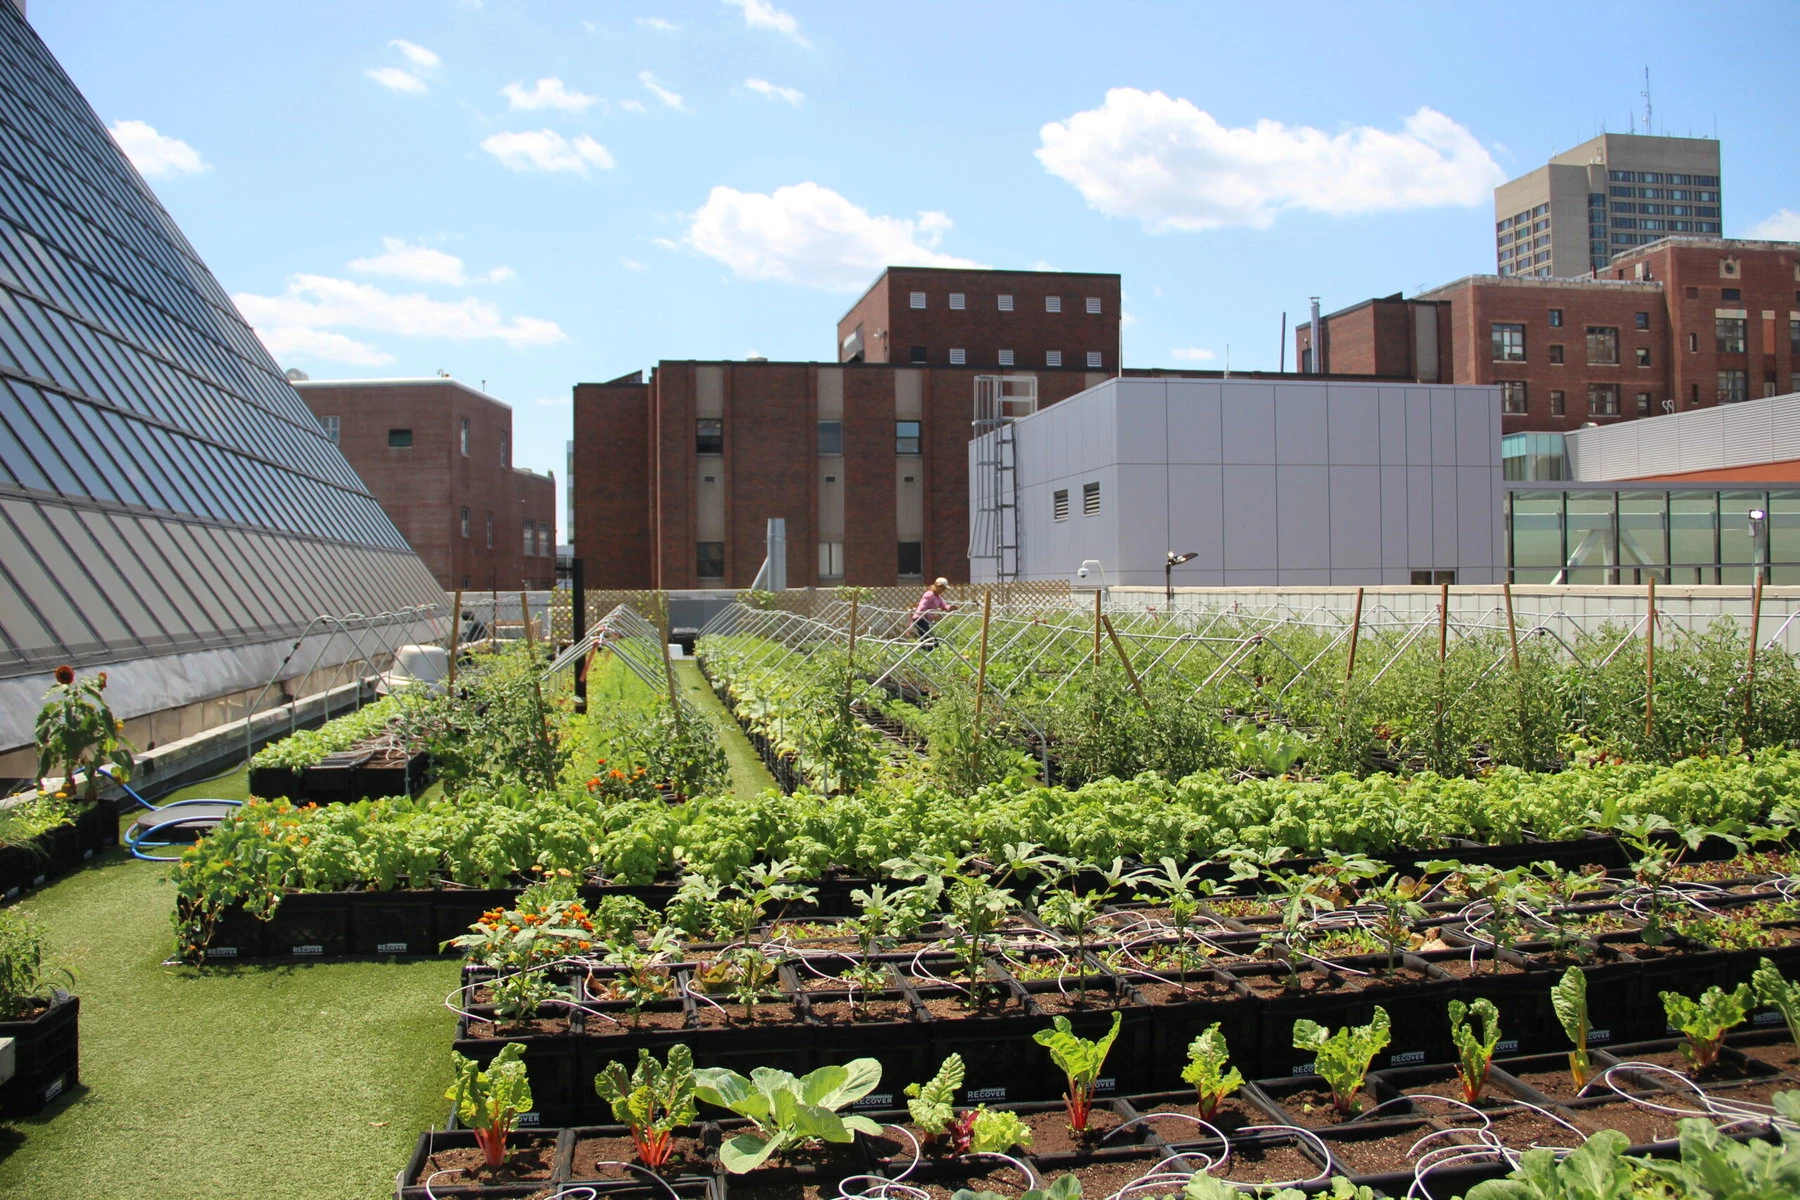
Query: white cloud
(1172, 166)
(500, 274)
(554, 401)
(421, 264)
(672, 99)
(304, 319)
(1127, 317)
(1192, 354)
(760, 14)
(548, 93)
(632, 264)
(808, 234)
(156, 155)
(547, 150)
(396, 80)
(658, 24)
(636, 106)
(774, 92)
(415, 54)
(665, 243)
(1783, 226)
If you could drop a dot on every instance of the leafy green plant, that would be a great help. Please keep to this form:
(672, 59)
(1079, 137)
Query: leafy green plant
(1569, 998)
(1779, 992)
(489, 1102)
(652, 1100)
(1066, 1188)
(746, 973)
(786, 1110)
(932, 1104)
(1206, 1071)
(1397, 904)
(27, 975)
(1080, 1061)
(77, 734)
(1704, 1022)
(1181, 892)
(1201, 1186)
(1343, 1057)
(1474, 1054)
(520, 944)
(994, 1131)
(1596, 1170)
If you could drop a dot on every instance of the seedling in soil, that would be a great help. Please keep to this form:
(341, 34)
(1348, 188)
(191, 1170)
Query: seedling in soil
(645, 974)
(1080, 1061)
(1301, 900)
(1076, 914)
(1653, 864)
(1704, 1022)
(653, 1100)
(1206, 1071)
(489, 1102)
(788, 1111)
(977, 908)
(1343, 1058)
(746, 973)
(1475, 1055)
(1398, 904)
(1505, 892)
(1181, 894)
(1780, 993)
(1569, 999)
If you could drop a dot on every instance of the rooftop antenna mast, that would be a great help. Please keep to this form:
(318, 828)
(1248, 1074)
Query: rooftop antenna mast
(1648, 128)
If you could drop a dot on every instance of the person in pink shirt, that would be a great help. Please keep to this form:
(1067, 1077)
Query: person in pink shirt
(931, 609)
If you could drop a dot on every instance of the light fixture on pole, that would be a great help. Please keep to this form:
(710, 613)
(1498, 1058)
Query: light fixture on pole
(1759, 527)
(1169, 564)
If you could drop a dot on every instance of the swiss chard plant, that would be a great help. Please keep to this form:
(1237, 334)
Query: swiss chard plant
(1569, 998)
(1343, 1058)
(489, 1102)
(1704, 1022)
(786, 1111)
(932, 1104)
(1778, 992)
(1080, 1061)
(652, 1100)
(1207, 1071)
(1474, 1053)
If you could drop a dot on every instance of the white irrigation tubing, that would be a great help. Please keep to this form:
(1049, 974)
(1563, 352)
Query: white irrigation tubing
(886, 1189)
(920, 970)
(1201, 1155)
(1304, 1135)
(1716, 1108)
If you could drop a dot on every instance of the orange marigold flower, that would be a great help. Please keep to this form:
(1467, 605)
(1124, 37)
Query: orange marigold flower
(594, 782)
(65, 674)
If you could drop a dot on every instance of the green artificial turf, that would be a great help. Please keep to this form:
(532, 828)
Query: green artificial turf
(749, 778)
(308, 1081)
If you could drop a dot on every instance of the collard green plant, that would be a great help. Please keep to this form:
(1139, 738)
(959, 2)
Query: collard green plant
(652, 1100)
(1778, 992)
(1474, 1053)
(786, 1110)
(1343, 1057)
(1704, 1022)
(489, 1102)
(1080, 1061)
(1207, 1071)
(1596, 1170)
(1569, 999)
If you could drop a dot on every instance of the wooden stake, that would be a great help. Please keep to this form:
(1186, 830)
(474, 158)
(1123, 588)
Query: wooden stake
(850, 654)
(1355, 631)
(1650, 661)
(669, 671)
(1750, 657)
(987, 609)
(1443, 621)
(1512, 630)
(525, 619)
(455, 639)
(1130, 671)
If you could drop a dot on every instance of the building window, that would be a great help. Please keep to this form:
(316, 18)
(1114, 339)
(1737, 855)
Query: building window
(1603, 399)
(1509, 343)
(958, 302)
(1694, 397)
(1556, 352)
(1059, 504)
(709, 436)
(1733, 386)
(958, 357)
(399, 439)
(1093, 360)
(1557, 404)
(1006, 358)
(465, 521)
(1731, 293)
(709, 560)
(1005, 303)
(465, 437)
(530, 537)
(1556, 318)
(330, 426)
(1693, 343)
(1729, 332)
(1053, 358)
(505, 451)
(1602, 346)
(1793, 342)
(831, 437)
(918, 354)
(1053, 304)
(912, 560)
(831, 560)
(1643, 356)
(1512, 397)
(1794, 382)
(490, 529)
(1643, 404)
(906, 437)
(543, 539)
(918, 299)
(1643, 320)
(1093, 305)
(1090, 499)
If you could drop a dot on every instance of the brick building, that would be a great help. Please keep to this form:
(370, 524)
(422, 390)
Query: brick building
(993, 319)
(1674, 325)
(437, 454)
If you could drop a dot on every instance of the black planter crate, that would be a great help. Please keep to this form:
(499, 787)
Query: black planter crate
(397, 922)
(308, 925)
(1001, 1058)
(560, 1093)
(272, 783)
(1418, 1024)
(334, 778)
(47, 1056)
(382, 776)
(411, 1184)
(1177, 1021)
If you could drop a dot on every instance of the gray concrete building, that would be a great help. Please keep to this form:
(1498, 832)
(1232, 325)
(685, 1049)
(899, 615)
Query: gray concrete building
(1267, 484)
(1606, 196)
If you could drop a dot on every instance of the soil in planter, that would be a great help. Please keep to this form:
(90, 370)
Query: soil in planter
(1383, 1155)
(1448, 1083)
(1639, 1124)
(828, 1164)
(1723, 1070)
(629, 1022)
(956, 1008)
(1050, 1132)
(1086, 1000)
(537, 1025)
(687, 1157)
(863, 1012)
(525, 1163)
(1521, 1129)
(1000, 1179)
(1483, 967)
(1312, 1107)
(1198, 991)
(1231, 1115)
(765, 1013)
(1559, 1085)
(1108, 1176)
(1280, 1162)
(1783, 1056)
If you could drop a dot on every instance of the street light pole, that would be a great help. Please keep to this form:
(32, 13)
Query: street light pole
(1758, 528)
(1172, 561)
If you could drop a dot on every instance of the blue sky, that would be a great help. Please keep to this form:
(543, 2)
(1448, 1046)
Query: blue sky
(536, 194)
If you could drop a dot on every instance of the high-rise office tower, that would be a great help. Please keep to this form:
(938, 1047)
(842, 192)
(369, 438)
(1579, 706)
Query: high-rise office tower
(1606, 196)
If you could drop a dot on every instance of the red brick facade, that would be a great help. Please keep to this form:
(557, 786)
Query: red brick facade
(427, 486)
(891, 329)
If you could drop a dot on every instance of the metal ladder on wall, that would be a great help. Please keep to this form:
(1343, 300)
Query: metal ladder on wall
(994, 523)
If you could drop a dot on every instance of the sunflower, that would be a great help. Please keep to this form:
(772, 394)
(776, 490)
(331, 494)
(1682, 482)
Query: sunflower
(65, 674)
